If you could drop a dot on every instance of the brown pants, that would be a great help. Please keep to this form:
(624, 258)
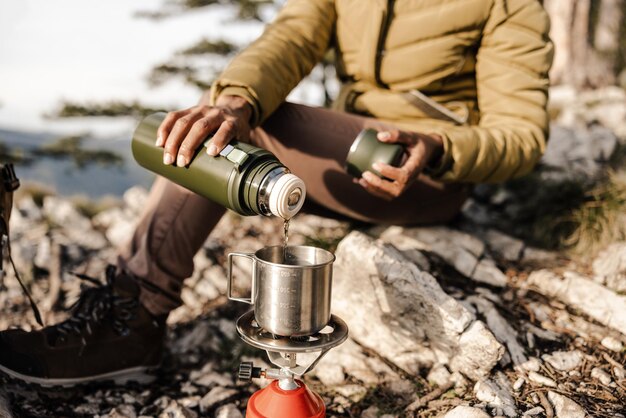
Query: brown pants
(313, 143)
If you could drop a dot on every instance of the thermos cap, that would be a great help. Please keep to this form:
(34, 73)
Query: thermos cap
(287, 196)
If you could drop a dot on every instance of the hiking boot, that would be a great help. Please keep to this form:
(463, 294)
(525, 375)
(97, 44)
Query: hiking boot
(109, 336)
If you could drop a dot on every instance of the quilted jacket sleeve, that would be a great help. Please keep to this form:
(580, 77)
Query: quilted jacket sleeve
(266, 71)
(512, 66)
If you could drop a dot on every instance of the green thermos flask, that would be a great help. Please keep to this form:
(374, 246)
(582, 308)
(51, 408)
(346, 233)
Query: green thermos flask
(243, 178)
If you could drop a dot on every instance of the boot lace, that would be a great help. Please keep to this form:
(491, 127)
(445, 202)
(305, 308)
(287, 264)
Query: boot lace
(97, 303)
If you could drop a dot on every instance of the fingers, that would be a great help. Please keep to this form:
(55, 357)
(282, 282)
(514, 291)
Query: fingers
(182, 132)
(167, 125)
(396, 179)
(200, 130)
(222, 137)
(395, 136)
(378, 187)
(179, 131)
(400, 174)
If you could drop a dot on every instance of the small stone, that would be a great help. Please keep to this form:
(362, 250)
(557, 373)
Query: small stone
(518, 384)
(228, 411)
(541, 379)
(135, 199)
(487, 272)
(438, 375)
(174, 410)
(565, 407)
(331, 375)
(564, 360)
(190, 401)
(601, 375)
(532, 365)
(353, 392)
(496, 393)
(536, 255)
(84, 409)
(619, 373)
(612, 344)
(43, 255)
(462, 411)
(479, 352)
(188, 388)
(122, 411)
(215, 396)
(401, 387)
(503, 245)
(534, 411)
(371, 412)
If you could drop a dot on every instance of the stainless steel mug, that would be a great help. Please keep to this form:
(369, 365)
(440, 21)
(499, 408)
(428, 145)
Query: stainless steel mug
(291, 288)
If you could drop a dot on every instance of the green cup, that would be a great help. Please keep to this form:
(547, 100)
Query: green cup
(367, 150)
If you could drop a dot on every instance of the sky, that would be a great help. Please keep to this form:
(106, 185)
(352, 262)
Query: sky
(90, 50)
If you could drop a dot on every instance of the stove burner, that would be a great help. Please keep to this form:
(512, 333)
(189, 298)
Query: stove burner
(332, 335)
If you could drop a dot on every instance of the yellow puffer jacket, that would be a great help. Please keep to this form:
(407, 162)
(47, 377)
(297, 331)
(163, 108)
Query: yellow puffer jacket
(473, 71)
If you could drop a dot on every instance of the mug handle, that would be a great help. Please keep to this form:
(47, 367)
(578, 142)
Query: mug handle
(229, 292)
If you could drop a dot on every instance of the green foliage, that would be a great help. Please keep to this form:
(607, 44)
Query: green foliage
(112, 108)
(72, 147)
(182, 66)
(246, 9)
(601, 218)
(205, 46)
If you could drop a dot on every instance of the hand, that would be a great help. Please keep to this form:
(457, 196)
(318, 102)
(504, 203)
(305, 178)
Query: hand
(183, 131)
(421, 150)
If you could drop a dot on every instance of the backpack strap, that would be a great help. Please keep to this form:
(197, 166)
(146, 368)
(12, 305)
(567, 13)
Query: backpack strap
(8, 184)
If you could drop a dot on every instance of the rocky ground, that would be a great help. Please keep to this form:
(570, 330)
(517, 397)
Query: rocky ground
(463, 320)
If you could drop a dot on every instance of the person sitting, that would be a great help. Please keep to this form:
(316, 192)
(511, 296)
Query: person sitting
(462, 85)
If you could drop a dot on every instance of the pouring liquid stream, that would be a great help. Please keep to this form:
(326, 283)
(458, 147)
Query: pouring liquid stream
(285, 240)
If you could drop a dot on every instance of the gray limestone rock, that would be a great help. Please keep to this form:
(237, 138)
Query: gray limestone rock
(462, 411)
(122, 411)
(228, 411)
(601, 375)
(496, 393)
(503, 245)
(393, 307)
(135, 199)
(541, 379)
(612, 344)
(175, 410)
(348, 359)
(564, 407)
(582, 293)
(478, 352)
(564, 360)
(501, 328)
(215, 396)
(459, 249)
(487, 272)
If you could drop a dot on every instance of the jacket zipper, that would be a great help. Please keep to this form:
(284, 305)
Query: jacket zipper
(382, 37)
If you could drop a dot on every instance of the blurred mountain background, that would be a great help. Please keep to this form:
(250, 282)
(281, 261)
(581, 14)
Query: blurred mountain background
(77, 76)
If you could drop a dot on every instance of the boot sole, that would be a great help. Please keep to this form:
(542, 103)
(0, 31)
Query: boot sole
(141, 375)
